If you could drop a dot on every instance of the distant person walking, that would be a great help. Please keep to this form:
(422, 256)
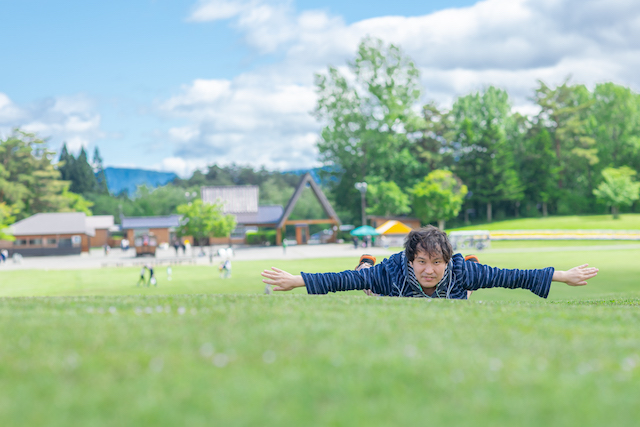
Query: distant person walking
(176, 245)
(152, 277)
(142, 279)
(225, 269)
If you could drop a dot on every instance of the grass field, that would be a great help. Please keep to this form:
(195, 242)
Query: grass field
(207, 351)
(585, 222)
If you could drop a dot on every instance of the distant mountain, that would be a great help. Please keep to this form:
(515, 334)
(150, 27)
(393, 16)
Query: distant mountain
(119, 179)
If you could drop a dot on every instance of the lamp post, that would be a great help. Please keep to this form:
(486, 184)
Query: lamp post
(362, 188)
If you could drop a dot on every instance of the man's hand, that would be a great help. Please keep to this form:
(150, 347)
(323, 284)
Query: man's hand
(577, 276)
(282, 280)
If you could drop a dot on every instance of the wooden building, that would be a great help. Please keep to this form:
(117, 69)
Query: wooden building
(64, 233)
(242, 201)
(102, 225)
(162, 227)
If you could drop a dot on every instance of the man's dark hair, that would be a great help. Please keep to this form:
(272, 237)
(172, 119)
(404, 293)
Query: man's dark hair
(428, 239)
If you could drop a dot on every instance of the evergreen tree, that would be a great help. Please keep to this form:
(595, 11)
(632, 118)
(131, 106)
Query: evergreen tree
(485, 161)
(83, 180)
(101, 177)
(29, 181)
(66, 163)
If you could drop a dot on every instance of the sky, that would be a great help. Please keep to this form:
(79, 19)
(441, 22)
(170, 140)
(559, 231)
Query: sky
(178, 85)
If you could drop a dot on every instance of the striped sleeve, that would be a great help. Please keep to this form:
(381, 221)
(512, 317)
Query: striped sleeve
(369, 278)
(478, 276)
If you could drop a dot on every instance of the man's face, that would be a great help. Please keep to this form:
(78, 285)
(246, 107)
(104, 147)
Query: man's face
(429, 270)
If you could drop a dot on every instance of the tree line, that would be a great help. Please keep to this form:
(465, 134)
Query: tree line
(578, 155)
(478, 160)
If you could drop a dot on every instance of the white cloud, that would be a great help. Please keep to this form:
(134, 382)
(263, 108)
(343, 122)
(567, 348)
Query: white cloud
(262, 116)
(70, 119)
(183, 167)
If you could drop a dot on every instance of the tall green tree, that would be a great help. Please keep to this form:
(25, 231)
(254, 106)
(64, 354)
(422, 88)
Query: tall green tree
(65, 163)
(438, 197)
(565, 114)
(616, 125)
(386, 198)
(618, 188)
(83, 180)
(29, 181)
(437, 130)
(484, 156)
(202, 220)
(537, 165)
(100, 176)
(6, 219)
(368, 120)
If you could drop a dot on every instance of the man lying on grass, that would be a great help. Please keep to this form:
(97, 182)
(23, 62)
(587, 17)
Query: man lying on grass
(427, 268)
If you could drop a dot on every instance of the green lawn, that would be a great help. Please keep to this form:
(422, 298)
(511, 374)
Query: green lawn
(618, 275)
(585, 222)
(207, 351)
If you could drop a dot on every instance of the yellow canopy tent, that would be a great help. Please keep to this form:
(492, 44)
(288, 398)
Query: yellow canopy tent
(393, 227)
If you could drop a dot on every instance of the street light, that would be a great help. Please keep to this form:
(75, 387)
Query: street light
(362, 188)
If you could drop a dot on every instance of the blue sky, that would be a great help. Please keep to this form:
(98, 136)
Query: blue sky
(173, 85)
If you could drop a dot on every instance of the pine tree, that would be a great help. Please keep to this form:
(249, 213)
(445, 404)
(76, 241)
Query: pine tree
(65, 163)
(101, 177)
(83, 180)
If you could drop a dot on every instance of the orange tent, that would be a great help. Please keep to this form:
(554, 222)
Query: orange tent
(393, 227)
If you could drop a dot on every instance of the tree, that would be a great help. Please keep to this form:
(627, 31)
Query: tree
(386, 198)
(202, 221)
(438, 197)
(29, 181)
(369, 120)
(101, 177)
(5, 221)
(484, 157)
(538, 167)
(618, 188)
(565, 114)
(65, 163)
(437, 130)
(83, 180)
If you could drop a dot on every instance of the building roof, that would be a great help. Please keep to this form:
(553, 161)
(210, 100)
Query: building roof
(265, 215)
(307, 179)
(393, 227)
(53, 223)
(235, 199)
(169, 221)
(100, 222)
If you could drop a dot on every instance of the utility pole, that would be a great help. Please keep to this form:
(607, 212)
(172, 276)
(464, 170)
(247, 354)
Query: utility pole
(362, 188)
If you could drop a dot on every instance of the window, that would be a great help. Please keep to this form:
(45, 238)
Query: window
(35, 242)
(51, 241)
(64, 243)
(20, 242)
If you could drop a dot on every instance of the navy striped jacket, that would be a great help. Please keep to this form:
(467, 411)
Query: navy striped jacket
(389, 278)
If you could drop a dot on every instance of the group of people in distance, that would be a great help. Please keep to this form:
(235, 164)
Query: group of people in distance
(428, 268)
(152, 278)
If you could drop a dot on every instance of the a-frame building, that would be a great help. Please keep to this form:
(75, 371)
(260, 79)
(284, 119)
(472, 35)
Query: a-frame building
(302, 225)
